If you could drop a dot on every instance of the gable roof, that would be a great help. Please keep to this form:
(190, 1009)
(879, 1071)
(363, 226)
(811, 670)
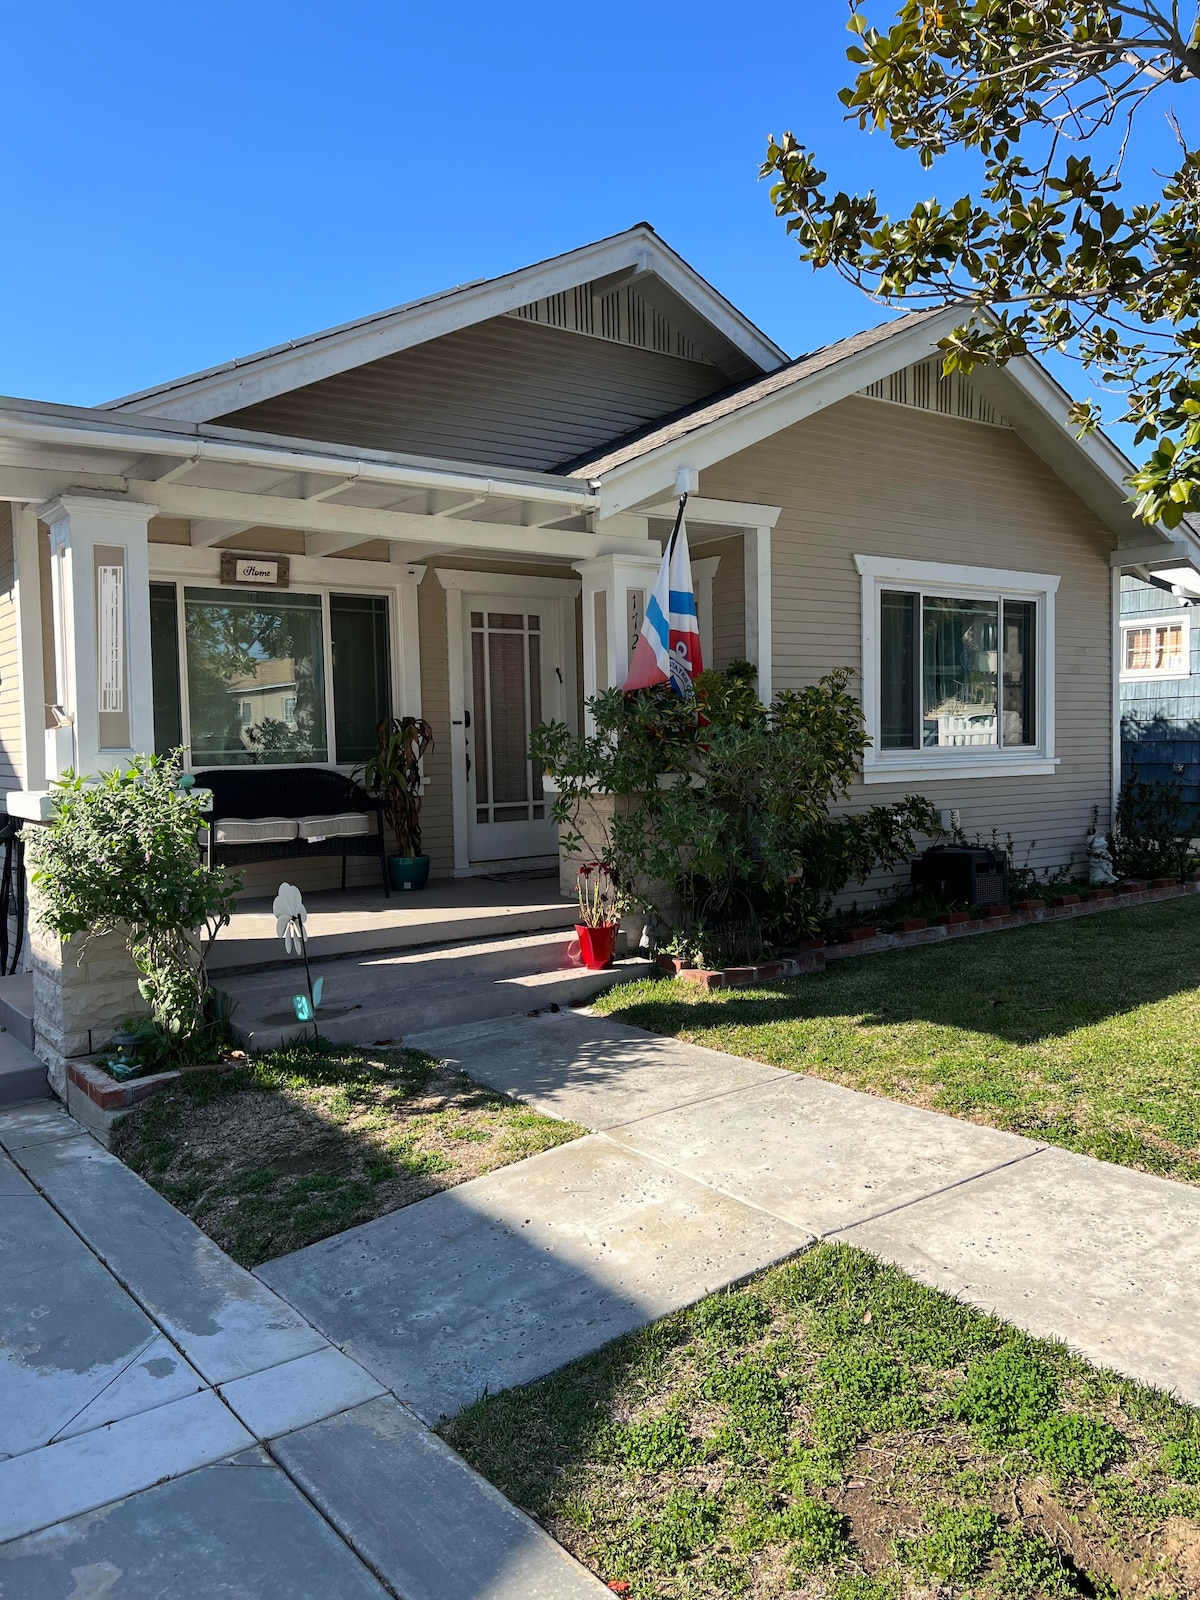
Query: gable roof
(727, 337)
(738, 397)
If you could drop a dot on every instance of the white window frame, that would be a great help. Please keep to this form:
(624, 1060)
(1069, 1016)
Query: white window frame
(1158, 619)
(947, 579)
(200, 569)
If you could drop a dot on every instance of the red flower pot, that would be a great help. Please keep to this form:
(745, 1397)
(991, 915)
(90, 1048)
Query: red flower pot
(596, 945)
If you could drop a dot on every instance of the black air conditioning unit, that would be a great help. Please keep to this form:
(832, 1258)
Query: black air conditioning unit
(957, 872)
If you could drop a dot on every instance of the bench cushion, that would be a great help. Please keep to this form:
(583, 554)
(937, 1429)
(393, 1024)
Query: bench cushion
(258, 830)
(343, 825)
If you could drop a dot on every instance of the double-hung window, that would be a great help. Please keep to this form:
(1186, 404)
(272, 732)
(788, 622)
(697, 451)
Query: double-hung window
(958, 670)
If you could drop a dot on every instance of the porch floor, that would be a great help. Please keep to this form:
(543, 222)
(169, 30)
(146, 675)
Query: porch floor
(355, 920)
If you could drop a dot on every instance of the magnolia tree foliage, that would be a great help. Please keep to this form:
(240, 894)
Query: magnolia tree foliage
(747, 832)
(121, 855)
(1050, 94)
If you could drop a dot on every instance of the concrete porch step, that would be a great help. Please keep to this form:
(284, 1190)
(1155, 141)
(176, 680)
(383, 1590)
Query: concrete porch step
(386, 996)
(16, 1007)
(22, 1075)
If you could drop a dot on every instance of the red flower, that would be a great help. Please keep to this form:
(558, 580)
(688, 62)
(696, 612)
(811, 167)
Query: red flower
(620, 1586)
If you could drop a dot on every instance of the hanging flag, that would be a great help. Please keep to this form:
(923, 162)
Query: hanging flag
(668, 647)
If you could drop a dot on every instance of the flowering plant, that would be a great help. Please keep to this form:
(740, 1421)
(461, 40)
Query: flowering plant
(598, 896)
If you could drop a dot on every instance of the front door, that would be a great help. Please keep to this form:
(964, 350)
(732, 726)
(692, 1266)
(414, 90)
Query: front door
(514, 679)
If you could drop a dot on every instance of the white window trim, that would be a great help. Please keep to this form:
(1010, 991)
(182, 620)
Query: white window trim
(1159, 619)
(902, 766)
(188, 568)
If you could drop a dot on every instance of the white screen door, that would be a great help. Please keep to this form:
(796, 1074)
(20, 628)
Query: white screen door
(514, 679)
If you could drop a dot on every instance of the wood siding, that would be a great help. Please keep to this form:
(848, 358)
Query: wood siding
(508, 392)
(729, 599)
(869, 479)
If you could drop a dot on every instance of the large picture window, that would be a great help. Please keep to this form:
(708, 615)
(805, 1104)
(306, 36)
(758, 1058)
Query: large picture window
(269, 676)
(957, 668)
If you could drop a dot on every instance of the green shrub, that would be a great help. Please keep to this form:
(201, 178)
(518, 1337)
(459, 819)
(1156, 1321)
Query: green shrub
(1006, 1393)
(750, 844)
(957, 1545)
(1077, 1447)
(121, 853)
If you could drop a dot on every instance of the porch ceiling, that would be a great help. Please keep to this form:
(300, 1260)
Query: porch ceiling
(226, 480)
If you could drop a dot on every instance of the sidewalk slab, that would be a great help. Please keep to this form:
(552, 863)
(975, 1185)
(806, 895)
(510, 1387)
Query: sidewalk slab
(817, 1155)
(36, 1122)
(237, 1529)
(80, 1474)
(505, 1278)
(12, 1183)
(299, 1392)
(421, 1518)
(589, 1070)
(223, 1320)
(158, 1375)
(67, 1328)
(1066, 1247)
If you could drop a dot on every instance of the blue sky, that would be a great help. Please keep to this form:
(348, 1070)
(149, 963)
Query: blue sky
(185, 183)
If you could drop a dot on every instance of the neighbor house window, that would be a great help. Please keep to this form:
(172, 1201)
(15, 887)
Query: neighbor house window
(957, 667)
(1152, 649)
(269, 677)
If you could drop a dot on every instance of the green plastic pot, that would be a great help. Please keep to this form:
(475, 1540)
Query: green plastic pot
(408, 872)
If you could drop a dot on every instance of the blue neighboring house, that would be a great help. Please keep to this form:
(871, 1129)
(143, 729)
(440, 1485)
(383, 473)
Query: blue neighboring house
(1160, 687)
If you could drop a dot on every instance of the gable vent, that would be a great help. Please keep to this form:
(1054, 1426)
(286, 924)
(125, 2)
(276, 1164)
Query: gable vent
(619, 315)
(923, 386)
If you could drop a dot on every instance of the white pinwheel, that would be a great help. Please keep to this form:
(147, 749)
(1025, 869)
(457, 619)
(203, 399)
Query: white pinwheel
(290, 918)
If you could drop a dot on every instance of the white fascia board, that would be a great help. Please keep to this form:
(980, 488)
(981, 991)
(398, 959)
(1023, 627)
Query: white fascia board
(651, 476)
(260, 377)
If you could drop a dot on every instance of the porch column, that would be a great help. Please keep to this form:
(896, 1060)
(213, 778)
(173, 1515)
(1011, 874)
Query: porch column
(614, 604)
(35, 692)
(756, 555)
(100, 580)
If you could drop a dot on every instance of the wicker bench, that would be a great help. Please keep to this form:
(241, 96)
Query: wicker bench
(277, 813)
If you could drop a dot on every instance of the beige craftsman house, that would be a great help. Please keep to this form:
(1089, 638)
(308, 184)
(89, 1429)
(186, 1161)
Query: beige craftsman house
(471, 491)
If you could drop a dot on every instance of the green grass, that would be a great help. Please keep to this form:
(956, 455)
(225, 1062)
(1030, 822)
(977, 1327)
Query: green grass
(1085, 1033)
(834, 1429)
(300, 1143)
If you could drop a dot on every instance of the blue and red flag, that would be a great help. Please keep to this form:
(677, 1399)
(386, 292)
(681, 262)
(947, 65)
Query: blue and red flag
(668, 647)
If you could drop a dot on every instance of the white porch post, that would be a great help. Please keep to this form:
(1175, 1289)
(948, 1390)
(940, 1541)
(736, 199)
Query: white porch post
(757, 561)
(35, 692)
(99, 563)
(615, 589)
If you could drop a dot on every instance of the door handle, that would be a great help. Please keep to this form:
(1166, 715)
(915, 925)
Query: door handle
(466, 719)
(468, 764)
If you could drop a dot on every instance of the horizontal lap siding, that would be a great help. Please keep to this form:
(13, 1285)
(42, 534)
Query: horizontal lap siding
(865, 478)
(505, 393)
(729, 600)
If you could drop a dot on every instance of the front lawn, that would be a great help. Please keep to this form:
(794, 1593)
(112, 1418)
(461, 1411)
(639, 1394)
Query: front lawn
(832, 1428)
(1084, 1033)
(303, 1142)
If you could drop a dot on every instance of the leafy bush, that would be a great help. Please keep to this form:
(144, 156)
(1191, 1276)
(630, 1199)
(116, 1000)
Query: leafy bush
(121, 853)
(1152, 831)
(1006, 1393)
(746, 836)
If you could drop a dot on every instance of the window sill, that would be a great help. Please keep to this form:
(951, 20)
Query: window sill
(936, 771)
(1155, 677)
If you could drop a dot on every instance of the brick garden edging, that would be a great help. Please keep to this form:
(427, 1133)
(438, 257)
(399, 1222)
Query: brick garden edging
(815, 954)
(100, 1101)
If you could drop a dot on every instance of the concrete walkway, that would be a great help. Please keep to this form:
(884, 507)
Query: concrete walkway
(172, 1430)
(704, 1167)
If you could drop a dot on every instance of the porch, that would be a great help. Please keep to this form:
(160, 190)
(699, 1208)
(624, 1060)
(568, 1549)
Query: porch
(353, 921)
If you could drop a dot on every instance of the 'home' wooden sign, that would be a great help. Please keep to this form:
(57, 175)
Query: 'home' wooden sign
(255, 572)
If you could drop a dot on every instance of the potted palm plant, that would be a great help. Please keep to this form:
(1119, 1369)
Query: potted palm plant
(393, 776)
